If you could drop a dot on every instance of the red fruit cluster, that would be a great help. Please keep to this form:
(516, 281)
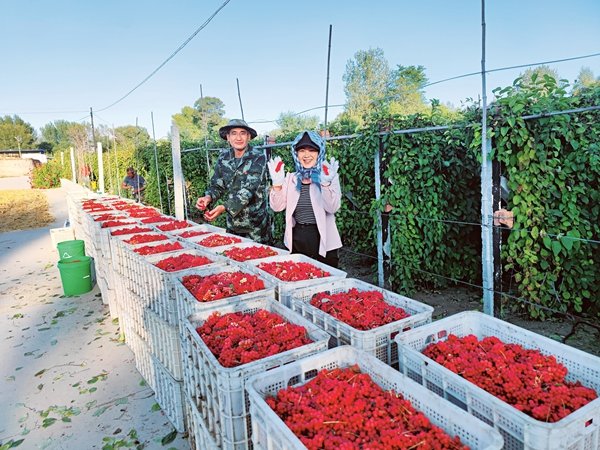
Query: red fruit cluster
(240, 338)
(181, 262)
(174, 225)
(363, 310)
(248, 253)
(104, 217)
(142, 238)
(116, 223)
(216, 240)
(143, 212)
(123, 231)
(525, 379)
(345, 409)
(94, 206)
(192, 233)
(153, 249)
(155, 219)
(293, 271)
(221, 285)
(121, 205)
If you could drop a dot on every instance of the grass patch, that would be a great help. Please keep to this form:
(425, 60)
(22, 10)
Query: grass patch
(23, 210)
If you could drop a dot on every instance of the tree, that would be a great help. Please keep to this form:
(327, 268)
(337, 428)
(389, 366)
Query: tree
(290, 123)
(406, 90)
(367, 81)
(537, 76)
(202, 120)
(15, 133)
(56, 135)
(585, 79)
(132, 137)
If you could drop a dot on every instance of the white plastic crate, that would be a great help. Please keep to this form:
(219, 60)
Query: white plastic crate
(579, 430)
(187, 304)
(142, 354)
(219, 392)
(159, 284)
(136, 265)
(133, 307)
(165, 343)
(284, 288)
(157, 225)
(196, 241)
(198, 435)
(169, 395)
(207, 228)
(222, 250)
(271, 433)
(378, 341)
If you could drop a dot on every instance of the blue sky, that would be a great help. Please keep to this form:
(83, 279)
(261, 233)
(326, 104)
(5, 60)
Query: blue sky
(62, 57)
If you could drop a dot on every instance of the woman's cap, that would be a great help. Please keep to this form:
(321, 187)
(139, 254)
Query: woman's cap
(306, 141)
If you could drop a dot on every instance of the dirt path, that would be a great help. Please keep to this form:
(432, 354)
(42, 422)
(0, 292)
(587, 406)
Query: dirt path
(67, 382)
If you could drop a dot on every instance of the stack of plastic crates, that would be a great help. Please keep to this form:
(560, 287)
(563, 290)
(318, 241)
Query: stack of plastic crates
(218, 393)
(271, 433)
(578, 430)
(377, 341)
(284, 289)
(162, 322)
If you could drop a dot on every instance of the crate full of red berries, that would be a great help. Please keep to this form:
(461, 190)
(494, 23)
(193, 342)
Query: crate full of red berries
(199, 288)
(224, 346)
(159, 278)
(346, 398)
(294, 271)
(539, 393)
(357, 313)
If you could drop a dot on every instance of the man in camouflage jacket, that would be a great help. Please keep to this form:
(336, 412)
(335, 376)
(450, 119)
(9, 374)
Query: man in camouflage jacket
(240, 182)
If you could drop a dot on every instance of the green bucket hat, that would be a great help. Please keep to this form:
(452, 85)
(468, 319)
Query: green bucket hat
(236, 123)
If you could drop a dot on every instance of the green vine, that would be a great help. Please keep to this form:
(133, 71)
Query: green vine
(552, 169)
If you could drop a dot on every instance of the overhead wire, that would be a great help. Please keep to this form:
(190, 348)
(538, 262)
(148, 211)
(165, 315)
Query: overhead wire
(187, 41)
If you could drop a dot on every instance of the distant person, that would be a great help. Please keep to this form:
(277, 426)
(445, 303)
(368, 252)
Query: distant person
(311, 196)
(135, 183)
(84, 174)
(240, 183)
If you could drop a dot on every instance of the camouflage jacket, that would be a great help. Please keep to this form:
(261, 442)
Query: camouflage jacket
(241, 185)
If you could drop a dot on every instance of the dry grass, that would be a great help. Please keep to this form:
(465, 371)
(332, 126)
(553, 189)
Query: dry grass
(23, 209)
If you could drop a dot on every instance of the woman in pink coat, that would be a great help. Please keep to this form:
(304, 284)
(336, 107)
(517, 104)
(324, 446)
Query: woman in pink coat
(310, 196)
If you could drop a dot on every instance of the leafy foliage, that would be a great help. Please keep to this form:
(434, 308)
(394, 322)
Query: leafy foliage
(553, 168)
(15, 133)
(48, 175)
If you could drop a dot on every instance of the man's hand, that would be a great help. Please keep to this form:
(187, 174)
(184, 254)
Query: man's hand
(203, 202)
(277, 171)
(214, 213)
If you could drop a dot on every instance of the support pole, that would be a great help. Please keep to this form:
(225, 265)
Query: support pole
(240, 98)
(487, 250)
(156, 164)
(327, 83)
(377, 170)
(177, 172)
(73, 172)
(100, 168)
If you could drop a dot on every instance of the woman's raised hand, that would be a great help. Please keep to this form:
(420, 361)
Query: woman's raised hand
(276, 170)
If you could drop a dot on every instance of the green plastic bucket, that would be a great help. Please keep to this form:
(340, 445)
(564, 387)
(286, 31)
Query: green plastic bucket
(71, 249)
(75, 274)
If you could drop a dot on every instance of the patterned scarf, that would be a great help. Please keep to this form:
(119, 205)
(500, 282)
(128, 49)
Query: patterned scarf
(314, 173)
